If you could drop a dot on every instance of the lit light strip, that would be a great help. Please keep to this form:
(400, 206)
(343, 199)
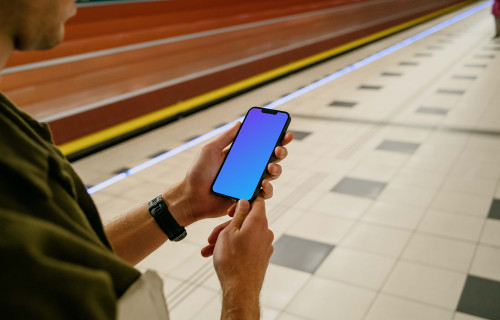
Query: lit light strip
(293, 95)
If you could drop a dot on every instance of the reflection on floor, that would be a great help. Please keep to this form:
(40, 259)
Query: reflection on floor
(389, 205)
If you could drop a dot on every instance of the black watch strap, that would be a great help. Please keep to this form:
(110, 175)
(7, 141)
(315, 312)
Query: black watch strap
(159, 211)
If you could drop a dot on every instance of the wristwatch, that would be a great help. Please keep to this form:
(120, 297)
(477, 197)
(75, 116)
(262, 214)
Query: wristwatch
(167, 223)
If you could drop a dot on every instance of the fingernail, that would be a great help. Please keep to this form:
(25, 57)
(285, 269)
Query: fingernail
(242, 204)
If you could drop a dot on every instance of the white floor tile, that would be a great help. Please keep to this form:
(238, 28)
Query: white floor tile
(268, 313)
(281, 285)
(287, 316)
(429, 285)
(161, 260)
(321, 227)
(439, 252)
(376, 239)
(491, 233)
(195, 268)
(356, 267)
(480, 187)
(409, 195)
(170, 286)
(418, 178)
(387, 307)
(211, 311)
(198, 232)
(486, 263)
(394, 215)
(281, 218)
(191, 306)
(452, 225)
(464, 316)
(374, 171)
(341, 205)
(476, 170)
(475, 205)
(322, 298)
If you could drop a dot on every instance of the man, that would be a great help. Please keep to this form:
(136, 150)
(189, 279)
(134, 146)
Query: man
(58, 261)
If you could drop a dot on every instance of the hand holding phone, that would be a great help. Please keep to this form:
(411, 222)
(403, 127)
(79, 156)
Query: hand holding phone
(244, 168)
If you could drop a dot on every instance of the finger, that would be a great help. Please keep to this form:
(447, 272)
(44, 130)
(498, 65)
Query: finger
(242, 210)
(212, 238)
(257, 215)
(280, 153)
(208, 250)
(267, 189)
(274, 171)
(225, 138)
(231, 210)
(287, 139)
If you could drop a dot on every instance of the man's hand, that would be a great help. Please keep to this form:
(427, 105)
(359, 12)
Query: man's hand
(191, 200)
(241, 251)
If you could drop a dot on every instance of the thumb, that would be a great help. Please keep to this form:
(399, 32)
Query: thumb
(225, 138)
(242, 209)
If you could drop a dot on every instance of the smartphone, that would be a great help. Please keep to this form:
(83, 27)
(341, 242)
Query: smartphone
(244, 168)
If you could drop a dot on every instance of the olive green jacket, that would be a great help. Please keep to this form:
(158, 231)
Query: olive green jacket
(55, 260)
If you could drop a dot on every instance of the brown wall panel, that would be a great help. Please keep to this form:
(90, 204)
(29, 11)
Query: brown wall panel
(49, 90)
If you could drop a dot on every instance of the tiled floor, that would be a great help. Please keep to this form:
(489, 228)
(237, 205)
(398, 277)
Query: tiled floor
(389, 204)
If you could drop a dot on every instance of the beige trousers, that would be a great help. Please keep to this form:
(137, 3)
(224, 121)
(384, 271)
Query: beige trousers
(144, 300)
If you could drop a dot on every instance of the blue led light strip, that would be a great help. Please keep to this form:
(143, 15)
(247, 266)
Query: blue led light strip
(293, 95)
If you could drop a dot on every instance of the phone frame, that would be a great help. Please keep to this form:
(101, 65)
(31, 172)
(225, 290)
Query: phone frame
(278, 142)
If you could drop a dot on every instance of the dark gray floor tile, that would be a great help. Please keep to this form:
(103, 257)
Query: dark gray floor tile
(220, 125)
(481, 298)
(159, 153)
(451, 91)
(408, 63)
(484, 56)
(391, 74)
(344, 104)
(191, 138)
(431, 110)
(495, 209)
(299, 135)
(475, 65)
(360, 188)
(300, 254)
(464, 77)
(369, 87)
(423, 54)
(398, 146)
(121, 170)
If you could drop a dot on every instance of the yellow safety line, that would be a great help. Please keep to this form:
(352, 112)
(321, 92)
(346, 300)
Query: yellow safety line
(169, 111)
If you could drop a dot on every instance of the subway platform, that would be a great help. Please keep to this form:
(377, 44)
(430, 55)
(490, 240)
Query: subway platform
(389, 202)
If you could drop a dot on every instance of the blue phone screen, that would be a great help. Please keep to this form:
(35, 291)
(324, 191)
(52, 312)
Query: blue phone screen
(241, 172)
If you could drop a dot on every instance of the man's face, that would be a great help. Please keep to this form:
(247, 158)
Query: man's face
(38, 24)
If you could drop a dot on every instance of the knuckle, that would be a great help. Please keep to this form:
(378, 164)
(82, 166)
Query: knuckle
(207, 147)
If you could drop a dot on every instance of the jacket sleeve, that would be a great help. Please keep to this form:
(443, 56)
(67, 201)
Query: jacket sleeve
(41, 275)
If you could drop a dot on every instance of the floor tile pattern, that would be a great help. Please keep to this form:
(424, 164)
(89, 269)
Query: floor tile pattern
(480, 297)
(360, 187)
(300, 254)
(346, 104)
